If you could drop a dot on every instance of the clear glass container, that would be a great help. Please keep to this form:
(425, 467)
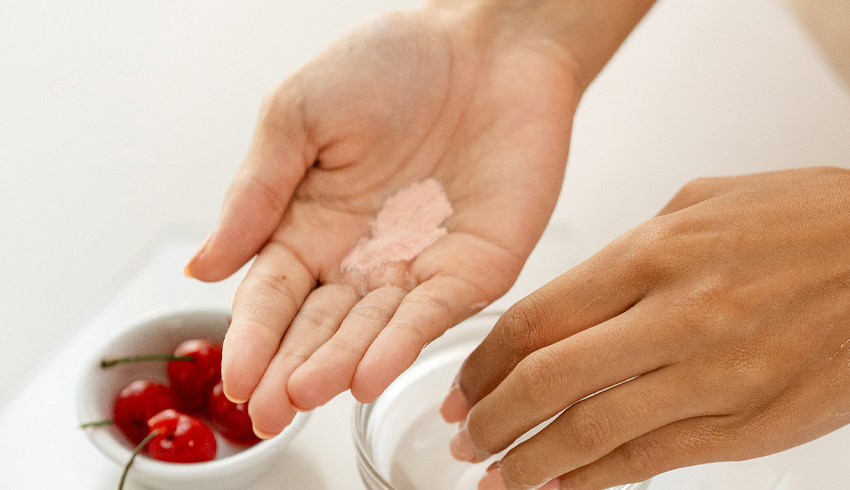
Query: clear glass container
(401, 440)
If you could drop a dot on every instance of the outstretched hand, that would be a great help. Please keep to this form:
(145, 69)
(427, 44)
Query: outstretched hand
(721, 328)
(406, 97)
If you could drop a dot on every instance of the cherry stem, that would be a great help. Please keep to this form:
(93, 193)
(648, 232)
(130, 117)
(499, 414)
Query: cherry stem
(96, 423)
(133, 457)
(108, 362)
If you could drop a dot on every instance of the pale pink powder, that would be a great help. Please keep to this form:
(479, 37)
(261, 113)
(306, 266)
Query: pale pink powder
(408, 222)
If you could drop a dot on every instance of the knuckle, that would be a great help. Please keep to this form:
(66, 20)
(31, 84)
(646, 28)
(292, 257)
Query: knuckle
(320, 320)
(654, 248)
(430, 301)
(760, 376)
(371, 312)
(271, 104)
(412, 332)
(643, 458)
(258, 325)
(267, 107)
(275, 290)
(699, 189)
(270, 194)
(295, 356)
(521, 326)
(694, 192)
(590, 430)
(345, 350)
(480, 433)
(282, 108)
(540, 380)
(316, 317)
(707, 301)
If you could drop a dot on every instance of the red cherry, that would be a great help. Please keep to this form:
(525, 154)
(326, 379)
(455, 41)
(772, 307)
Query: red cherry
(230, 419)
(192, 380)
(136, 403)
(180, 438)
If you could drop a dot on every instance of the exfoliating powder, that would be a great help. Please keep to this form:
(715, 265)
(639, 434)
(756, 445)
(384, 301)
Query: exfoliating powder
(408, 222)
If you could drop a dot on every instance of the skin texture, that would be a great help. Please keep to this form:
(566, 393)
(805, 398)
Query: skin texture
(723, 325)
(405, 97)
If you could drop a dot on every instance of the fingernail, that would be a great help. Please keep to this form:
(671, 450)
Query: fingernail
(263, 435)
(462, 448)
(187, 271)
(235, 400)
(492, 480)
(455, 406)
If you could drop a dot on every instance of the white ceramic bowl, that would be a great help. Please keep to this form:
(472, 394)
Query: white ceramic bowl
(234, 466)
(401, 440)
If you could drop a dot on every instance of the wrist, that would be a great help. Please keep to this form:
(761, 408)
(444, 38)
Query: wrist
(584, 34)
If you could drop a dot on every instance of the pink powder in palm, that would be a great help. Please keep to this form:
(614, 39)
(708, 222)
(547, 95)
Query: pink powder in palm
(408, 222)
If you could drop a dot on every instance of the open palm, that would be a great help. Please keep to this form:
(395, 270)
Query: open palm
(406, 97)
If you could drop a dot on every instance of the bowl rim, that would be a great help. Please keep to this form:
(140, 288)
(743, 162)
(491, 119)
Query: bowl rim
(117, 451)
(361, 413)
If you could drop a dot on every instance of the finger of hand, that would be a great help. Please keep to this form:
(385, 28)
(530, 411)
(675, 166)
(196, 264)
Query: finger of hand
(684, 443)
(254, 204)
(554, 377)
(264, 305)
(596, 426)
(587, 295)
(319, 318)
(329, 371)
(424, 314)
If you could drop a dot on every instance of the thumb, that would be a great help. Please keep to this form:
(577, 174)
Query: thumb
(277, 159)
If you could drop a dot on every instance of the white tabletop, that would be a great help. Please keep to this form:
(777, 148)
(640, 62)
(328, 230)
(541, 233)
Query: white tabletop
(117, 119)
